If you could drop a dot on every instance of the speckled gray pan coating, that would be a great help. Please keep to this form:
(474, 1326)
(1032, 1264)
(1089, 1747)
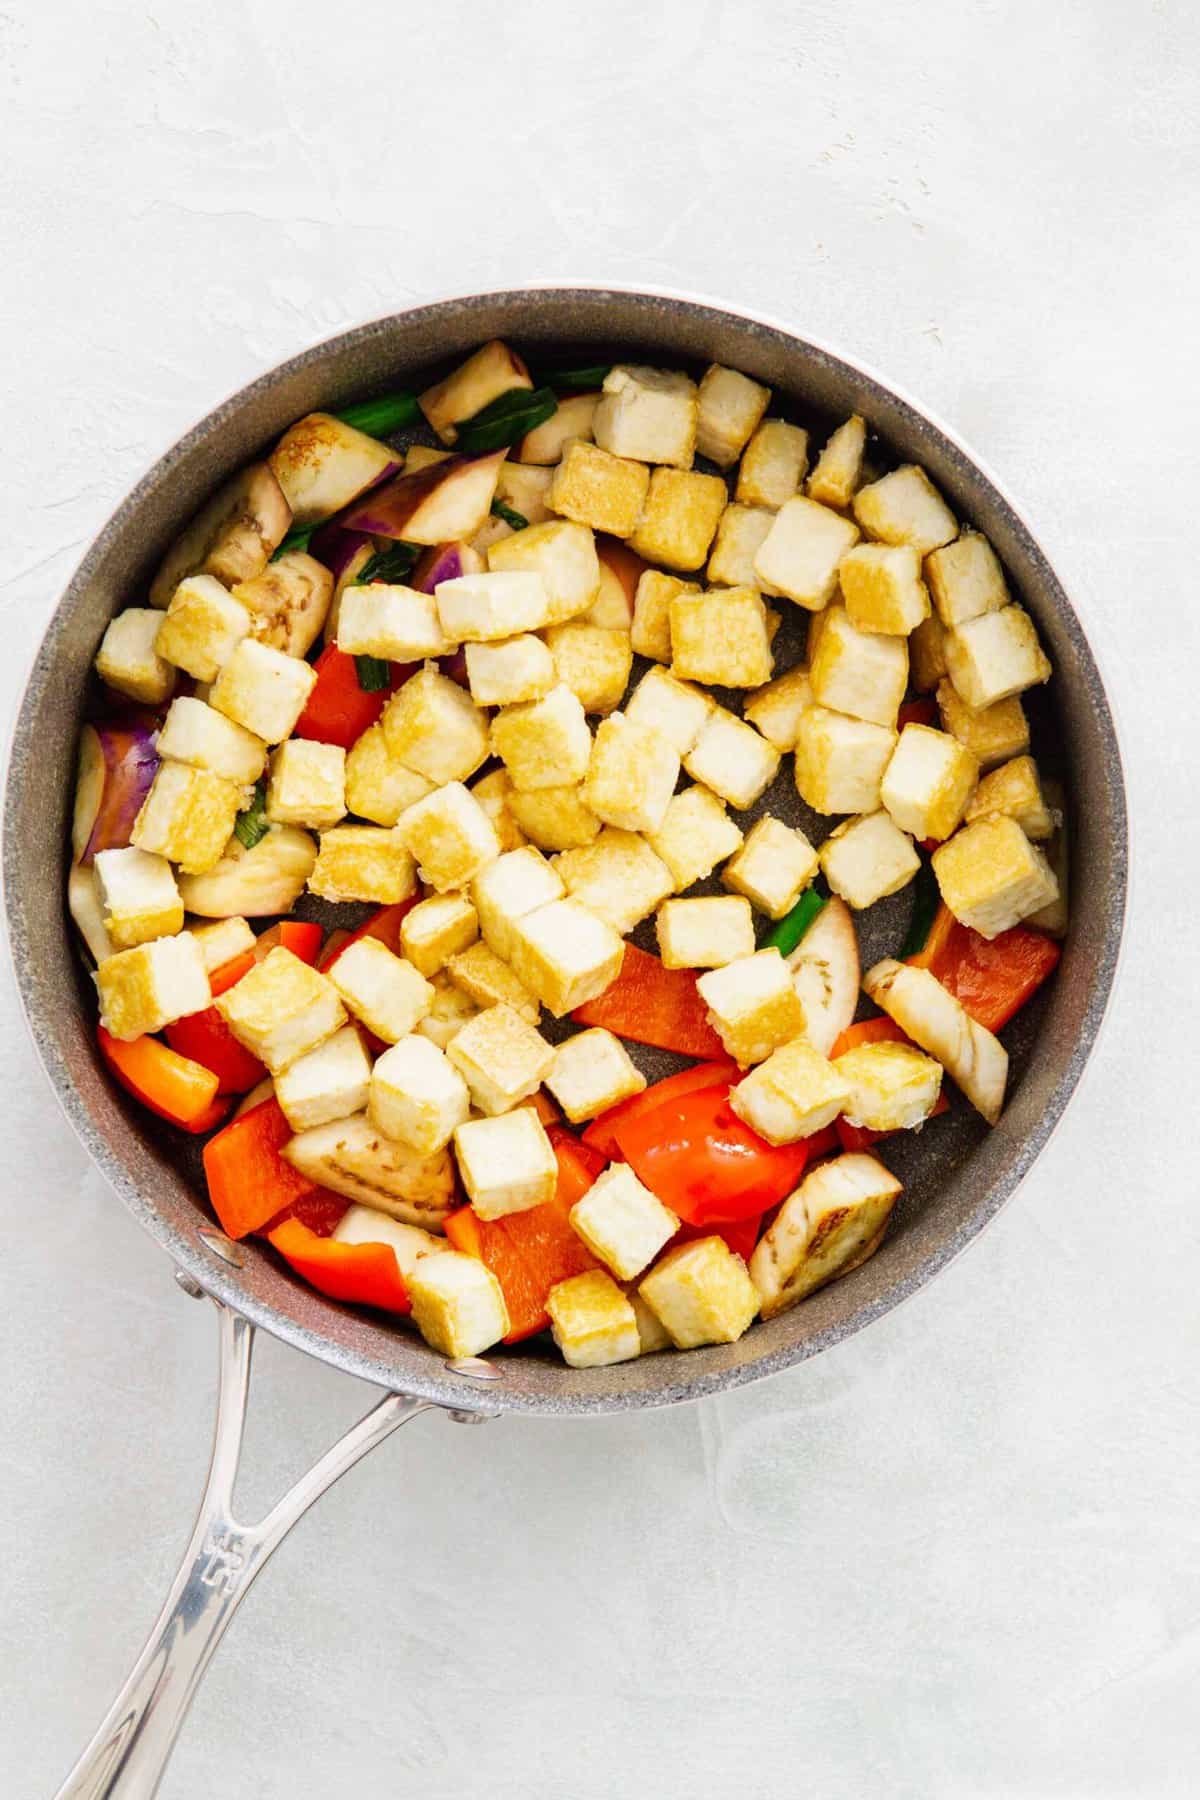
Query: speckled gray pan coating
(957, 1175)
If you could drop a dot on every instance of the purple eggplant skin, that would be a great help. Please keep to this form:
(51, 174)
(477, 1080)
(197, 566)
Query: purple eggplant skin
(445, 562)
(117, 764)
(334, 546)
(448, 499)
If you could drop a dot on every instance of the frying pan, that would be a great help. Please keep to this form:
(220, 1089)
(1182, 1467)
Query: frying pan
(956, 1175)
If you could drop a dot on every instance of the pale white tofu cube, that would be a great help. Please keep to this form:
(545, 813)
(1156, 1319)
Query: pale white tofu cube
(673, 708)
(150, 986)
(721, 637)
(730, 408)
(502, 1058)
(893, 1087)
(867, 858)
(489, 981)
(193, 733)
(187, 816)
(632, 774)
(417, 1097)
(753, 1005)
(995, 657)
(795, 1093)
(859, 672)
(451, 1010)
(905, 508)
(705, 933)
(563, 554)
(831, 1224)
(307, 785)
(202, 627)
(494, 793)
(281, 1009)
(565, 954)
(840, 761)
(619, 877)
(928, 782)
(593, 661)
(1016, 790)
(431, 726)
(927, 654)
(773, 465)
(800, 554)
(510, 671)
(507, 1163)
(449, 836)
(775, 710)
(651, 415)
(680, 518)
(139, 895)
(592, 1321)
(545, 743)
(396, 623)
(437, 929)
(222, 940)
(732, 759)
(554, 818)
(882, 588)
(378, 785)
(739, 538)
(363, 862)
(772, 868)
(938, 1022)
(330, 1082)
(591, 1072)
(992, 734)
(703, 1294)
(838, 470)
(596, 488)
(457, 1304)
(695, 835)
(263, 690)
(497, 604)
(381, 988)
(965, 579)
(650, 633)
(622, 1223)
(507, 889)
(991, 876)
(128, 659)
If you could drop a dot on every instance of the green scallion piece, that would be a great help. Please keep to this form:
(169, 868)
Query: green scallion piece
(373, 673)
(510, 515)
(251, 825)
(584, 379)
(785, 935)
(505, 419)
(395, 564)
(298, 538)
(379, 418)
(926, 899)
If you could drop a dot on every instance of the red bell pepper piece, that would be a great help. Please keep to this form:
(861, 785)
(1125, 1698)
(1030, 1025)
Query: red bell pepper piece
(175, 1087)
(207, 1039)
(248, 1181)
(653, 1005)
(740, 1234)
(528, 1252)
(319, 1209)
(992, 978)
(704, 1162)
(301, 936)
(917, 712)
(601, 1133)
(338, 709)
(384, 925)
(228, 974)
(363, 1274)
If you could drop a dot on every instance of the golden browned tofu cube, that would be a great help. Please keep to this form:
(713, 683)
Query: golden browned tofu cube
(838, 470)
(431, 726)
(679, 518)
(591, 1072)
(868, 858)
(363, 862)
(800, 554)
(775, 709)
(592, 1321)
(307, 784)
(832, 1223)
(882, 588)
(394, 622)
(995, 656)
(565, 954)
(893, 1087)
(545, 744)
(593, 662)
(457, 1304)
(673, 708)
(993, 734)
(554, 818)
(720, 637)
(187, 816)
(139, 895)
(965, 579)
(145, 988)
(489, 981)
(622, 1223)
(416, 1097)
(730, 408)
(506, 1163)
(648, 414)
(494, 793)
(203, 627)
(772, 868)
(773, 465)
(502, 1058)
(563, 553)
(262, 690)
(451, 1010)
(905, 508)
(938, 1022)
(840, 761)
(129, 659)
(928, 783)
(991, 876)
(281, 1009)
(378, 786)
(859, 672)
(382, 989)
(705, 933)
(193, 733)
(510, 671)
(650, 633)
(732, 759)
(619, 877)
(508, 889)
(695, 835)
(596, 488)
(631, 776)
(927, 654)
(739, 539)
(437, 929)
(703, 1294)
(450, 837)
(1013, 789)
(488, 606)
(753, 1005)
(795, 1093)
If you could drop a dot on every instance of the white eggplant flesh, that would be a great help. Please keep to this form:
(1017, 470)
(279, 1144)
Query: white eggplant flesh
(367, 1225)
(87, 911)
(255, 883)
(350, 1157)
(933, 1018)
(288, 603)
(232, 536)
(264, 1091)
(321, 463)
(826, 972)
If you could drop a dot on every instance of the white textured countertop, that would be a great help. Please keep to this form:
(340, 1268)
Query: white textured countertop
(959, 1556)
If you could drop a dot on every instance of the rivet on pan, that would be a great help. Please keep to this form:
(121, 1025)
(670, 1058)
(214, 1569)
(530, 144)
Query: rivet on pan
(191, 1288)
(221, 1246)
(477, 1367)
(470, 1418)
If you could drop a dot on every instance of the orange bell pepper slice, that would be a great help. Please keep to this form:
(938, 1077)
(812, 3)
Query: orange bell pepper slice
(363, 1274)
(384, 924)
(173, 1086)
(248, 1181)
(653, 1005)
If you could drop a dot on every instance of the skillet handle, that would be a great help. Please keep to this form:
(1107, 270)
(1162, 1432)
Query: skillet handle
(128, 1755)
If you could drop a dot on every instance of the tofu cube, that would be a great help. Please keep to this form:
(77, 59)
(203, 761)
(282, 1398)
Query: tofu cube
(431, 726)
(416, 1097)
(510, 671)
(330, 1082)
(457, 1304)
(489, 981)
(262, 690)
(492, 606)
(772, 868)
(859, 672)
(867, 858)
(840, 761)
(739, 538)
(378, 786)
(652, 1333)
(1015, 790)
(905, 508)
(753, 1006)
(150, 986)
(795, 1093)
(927, 654)
(281, 1009)
(596, 488)
(650, 633)
(833, 1222)
(938, 1022)
(928, 783)
(128, 658)
(730, 408)
(732, 759)
(565, 955)
(451, 1010)
(507, 1163)
(501, 1057)
(546, 443)
(619, 877)
(437, 929)
(882, 588)
(721, 637)
(139, 895)
(651, 415)
(193, 733)
(494, 793)
(673, 708)
(307, 784)
(382, 989)
(555, 818)
(363, 862)
(991, 876)
(800, 554)
(632, 774)
(593, 661)
(450, 836)
(838, 470)
(187, 816)
(507, 889)
(680, 518)
(563, 553)
(992, 734)
(397, 623)
(705, 933)
(546, 743)
(591, 1072)
(695, 835)
(965, 579)
(775, 710)
(773, 465)
(622, 1223)
(893, 1087)
(222, 940)
(703, 1294)
(592, 1321)
(202, 628)
(995, 657)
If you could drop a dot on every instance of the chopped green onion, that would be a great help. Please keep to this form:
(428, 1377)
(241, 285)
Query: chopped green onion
(298, 538)
(251, 825)
(785, 935)
(926, 899)
(379, 418)
(373, 673)
(506, 418)
(583, 379)
(395, 564)
(510, 515)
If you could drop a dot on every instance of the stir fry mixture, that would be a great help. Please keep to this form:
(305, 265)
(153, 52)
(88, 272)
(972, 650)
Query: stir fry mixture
(469, 685)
